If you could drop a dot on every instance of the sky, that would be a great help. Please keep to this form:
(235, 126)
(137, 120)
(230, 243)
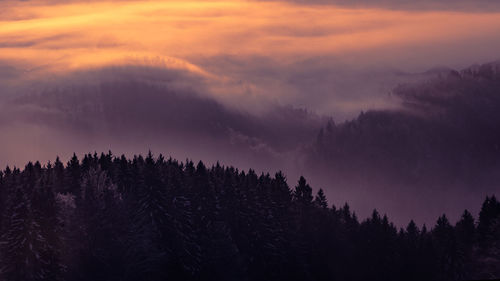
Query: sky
(305, 53)
(261, 76)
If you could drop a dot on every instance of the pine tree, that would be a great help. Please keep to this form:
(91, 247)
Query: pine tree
(410, 251)
(58, 178)
(22, 244)
(303, 193)
(182, 234)
(320, 199)
(490, 211)
(303, 200)
(151, 230)
(445, 245)
(155, 219)
(45, 210)
(72, 176)
(30, 242)
(487, 256)
(465, 232)
(99, 234)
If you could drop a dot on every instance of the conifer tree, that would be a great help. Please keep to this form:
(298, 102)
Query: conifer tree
(320, 199)
(490, 211)
(73, 176)
(445, 242)
(46, 211)
(98, 235)
(22, 244)
(155, 219)
(303, 193)
(465, 232)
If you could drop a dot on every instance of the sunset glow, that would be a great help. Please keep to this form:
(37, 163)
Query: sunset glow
(249, 140)
(90, 34)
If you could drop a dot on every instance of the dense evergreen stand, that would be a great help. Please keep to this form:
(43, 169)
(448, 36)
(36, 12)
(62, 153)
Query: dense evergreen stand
(112, 218)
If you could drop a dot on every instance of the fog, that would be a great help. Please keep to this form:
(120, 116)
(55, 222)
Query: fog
(246, 83)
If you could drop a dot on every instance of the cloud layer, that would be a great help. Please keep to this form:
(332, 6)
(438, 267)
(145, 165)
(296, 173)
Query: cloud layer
(409, 5)
(305, 54)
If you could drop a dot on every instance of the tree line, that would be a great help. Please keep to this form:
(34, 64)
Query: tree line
(447, 130)
(150, 218)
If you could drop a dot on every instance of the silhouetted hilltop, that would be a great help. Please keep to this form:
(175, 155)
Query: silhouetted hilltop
(135, 108)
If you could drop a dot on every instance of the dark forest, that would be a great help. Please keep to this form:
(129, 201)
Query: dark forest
(249, 140)
(151, 218)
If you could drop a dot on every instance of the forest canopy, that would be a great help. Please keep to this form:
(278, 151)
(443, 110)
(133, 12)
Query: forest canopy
(151, 218)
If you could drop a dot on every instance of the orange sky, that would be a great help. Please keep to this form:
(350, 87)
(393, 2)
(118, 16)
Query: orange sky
(62, 36)
(245, 52)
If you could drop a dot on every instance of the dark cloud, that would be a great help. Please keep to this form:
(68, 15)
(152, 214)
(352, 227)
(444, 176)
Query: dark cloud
(40, 41)
(410, 5)
(316, 30)
(8, 71)
(452, 5)
(325, 84)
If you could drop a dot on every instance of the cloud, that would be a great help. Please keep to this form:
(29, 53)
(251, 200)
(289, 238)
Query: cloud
(249, 53)
(185, 31)
(422, 5)
(7, 71)
(409, 5)
(18, 41)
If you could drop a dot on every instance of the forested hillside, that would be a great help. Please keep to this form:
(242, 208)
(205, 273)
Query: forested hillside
(447, 132)
(150, 218)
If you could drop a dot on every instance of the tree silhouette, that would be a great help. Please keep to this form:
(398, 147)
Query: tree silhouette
(151, 218)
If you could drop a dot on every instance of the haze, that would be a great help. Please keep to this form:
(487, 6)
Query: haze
(260, 78)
